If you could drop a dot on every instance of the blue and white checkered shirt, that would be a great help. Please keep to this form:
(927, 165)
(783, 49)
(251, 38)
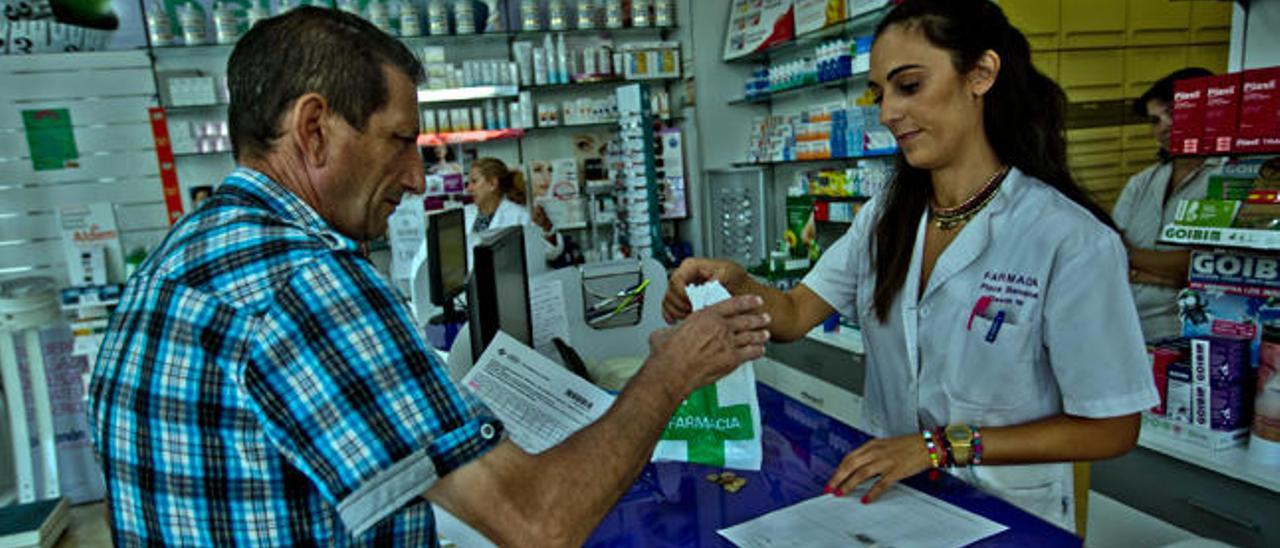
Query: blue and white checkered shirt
(260, 384)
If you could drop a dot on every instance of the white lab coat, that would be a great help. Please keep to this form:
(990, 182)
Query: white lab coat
(508, 213)
(1070, 343)
(1142, 213)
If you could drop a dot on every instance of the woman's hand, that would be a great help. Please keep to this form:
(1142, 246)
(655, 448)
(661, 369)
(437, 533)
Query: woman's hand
(891, 459)
(675, 304)
(540, 218)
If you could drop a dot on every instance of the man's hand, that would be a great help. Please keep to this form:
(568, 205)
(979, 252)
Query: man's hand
(675, 304)
(711, 343)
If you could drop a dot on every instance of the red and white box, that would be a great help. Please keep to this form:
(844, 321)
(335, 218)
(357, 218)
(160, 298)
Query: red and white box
(1187, 112)
(1259, 127)
(1221, 105)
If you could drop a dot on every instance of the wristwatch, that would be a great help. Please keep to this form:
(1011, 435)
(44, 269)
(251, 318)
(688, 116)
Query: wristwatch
(960, 438)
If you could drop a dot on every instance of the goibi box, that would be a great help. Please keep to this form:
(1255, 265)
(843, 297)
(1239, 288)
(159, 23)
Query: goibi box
(1259, 128)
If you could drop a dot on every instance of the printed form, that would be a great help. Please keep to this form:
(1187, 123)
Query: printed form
(901, 517)
(540, 402)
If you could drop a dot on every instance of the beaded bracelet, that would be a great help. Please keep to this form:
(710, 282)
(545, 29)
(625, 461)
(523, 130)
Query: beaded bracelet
(977, 445)
(931, 446)
(944, 448)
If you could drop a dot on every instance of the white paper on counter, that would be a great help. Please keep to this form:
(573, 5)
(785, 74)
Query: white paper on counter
(902, 516)
(547, 313)
(540, 402)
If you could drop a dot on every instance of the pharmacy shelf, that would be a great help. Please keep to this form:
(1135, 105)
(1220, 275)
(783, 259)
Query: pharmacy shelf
(177, 109)
(473, 93)
(1236, 155)
(846, 338)
(609, 124)
(468, 137)
(1243, 238)
(824, 198)
(860, 25)
(427, 39)
(597, 83)
(192, 153)
(815, 162)
(624, 31)
(773, 95)
(1232, 462)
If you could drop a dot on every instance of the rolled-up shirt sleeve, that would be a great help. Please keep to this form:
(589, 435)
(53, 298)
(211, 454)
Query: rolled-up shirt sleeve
(1092, 332)
(351, 396)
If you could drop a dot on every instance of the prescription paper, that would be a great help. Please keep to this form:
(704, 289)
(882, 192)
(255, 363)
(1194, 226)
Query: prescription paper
(540, 402)
(901, 517)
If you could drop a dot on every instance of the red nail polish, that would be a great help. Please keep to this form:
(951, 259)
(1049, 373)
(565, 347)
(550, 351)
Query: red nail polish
(839, 493)
(826, 489)
(864, 499)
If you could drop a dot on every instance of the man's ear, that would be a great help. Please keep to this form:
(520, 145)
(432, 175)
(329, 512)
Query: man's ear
(309, 123)
(984, 73)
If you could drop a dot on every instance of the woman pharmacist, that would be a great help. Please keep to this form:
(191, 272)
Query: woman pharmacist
(992, 294)
(497, 193)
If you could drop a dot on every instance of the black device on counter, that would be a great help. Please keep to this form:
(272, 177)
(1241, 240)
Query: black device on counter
(447, 261)
(498, 295)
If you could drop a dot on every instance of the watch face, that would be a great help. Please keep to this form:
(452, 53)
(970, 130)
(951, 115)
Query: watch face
(959, 433)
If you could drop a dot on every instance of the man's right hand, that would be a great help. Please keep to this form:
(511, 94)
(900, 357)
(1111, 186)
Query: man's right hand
(675, 304)
(712, 342)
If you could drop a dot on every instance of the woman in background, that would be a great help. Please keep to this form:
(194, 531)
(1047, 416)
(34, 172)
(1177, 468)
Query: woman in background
(497, 194)
(1149, 202)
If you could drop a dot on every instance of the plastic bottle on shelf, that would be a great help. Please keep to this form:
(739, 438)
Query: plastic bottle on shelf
(409, 24)
(193, 25)
(159, 26)
(640, 13)
(380, 16)
(663, 14)
(349, 6)
(1264, 444)
(613, 15)
(437, 18)
(464, 17)
(557, 15)
(226, 26)
(586, 14)
(846, 57)
(562, 59)
(530, 16)
(256, 12)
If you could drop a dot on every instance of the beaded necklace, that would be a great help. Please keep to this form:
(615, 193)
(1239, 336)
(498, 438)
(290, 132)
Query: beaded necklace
(955, 217)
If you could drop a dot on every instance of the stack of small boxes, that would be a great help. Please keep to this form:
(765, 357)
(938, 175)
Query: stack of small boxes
(1206, 379)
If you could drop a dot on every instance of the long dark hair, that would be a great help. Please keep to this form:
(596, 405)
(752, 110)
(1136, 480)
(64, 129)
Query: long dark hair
(1022, 118)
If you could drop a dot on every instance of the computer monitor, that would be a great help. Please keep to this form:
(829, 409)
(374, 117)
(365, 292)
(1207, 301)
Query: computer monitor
(498, 295)
(447, 261)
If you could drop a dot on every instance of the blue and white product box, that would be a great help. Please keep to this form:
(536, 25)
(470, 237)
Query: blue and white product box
(1230, 295)
(1235, 273)
(1217, 314)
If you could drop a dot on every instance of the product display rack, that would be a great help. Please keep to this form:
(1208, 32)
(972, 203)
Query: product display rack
(770, 96)
(859, 24)
(473, 93)
(814, 161)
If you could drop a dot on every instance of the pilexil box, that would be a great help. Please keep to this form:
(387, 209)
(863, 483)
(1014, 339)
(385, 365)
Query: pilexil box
(1187, 112)
(1259, 127)
(1221, 104)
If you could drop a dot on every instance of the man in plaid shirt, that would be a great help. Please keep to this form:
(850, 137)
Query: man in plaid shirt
(261, 384)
